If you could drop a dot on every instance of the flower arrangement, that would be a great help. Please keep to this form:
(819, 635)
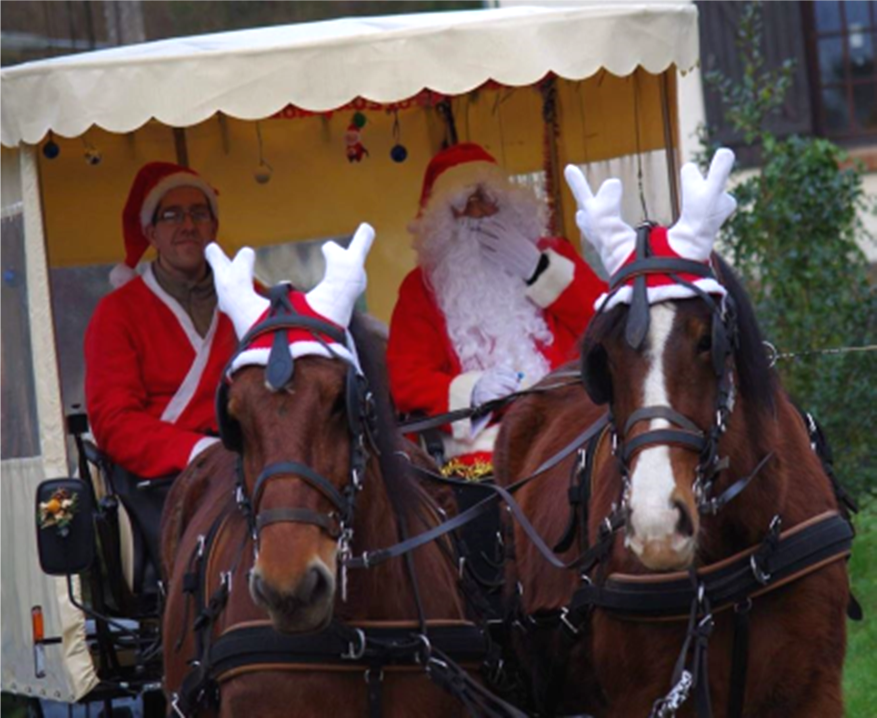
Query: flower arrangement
(58, 511)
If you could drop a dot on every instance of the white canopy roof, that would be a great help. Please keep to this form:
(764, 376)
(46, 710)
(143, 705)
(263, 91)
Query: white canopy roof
(251, 74)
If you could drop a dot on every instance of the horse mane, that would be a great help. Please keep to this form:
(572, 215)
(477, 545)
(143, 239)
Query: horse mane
(757, 381)
(399, 483)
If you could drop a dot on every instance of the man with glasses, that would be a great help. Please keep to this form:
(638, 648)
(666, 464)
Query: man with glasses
(156, 346)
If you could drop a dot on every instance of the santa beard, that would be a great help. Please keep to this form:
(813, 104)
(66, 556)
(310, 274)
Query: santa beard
(489, 319)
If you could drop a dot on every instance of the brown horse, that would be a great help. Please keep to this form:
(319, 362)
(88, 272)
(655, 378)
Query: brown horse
(267, 531)
(708, 527)
(621, 664)
(293, 577)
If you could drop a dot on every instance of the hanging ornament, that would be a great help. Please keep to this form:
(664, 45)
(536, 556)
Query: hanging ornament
(51, 149)
(398, 153)
(92, 155)
(264, 171)
(353, 137)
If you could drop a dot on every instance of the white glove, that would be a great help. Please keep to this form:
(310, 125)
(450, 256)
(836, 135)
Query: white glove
(705, 206)
(506, 245)
(495, 383)
(599, 218)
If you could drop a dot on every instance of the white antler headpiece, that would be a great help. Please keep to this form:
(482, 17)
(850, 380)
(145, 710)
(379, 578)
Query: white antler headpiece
(335, 296)
(333, 299)
(235, 293)
(599, 218)
(705, 206)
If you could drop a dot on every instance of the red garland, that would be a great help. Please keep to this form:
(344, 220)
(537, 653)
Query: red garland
(550, 135)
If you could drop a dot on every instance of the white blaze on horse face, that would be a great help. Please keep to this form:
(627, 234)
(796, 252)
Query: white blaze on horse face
(653, 516)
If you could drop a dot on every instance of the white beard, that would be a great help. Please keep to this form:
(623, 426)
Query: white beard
(490, 320)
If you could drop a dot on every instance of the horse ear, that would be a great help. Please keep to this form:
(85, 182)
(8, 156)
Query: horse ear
(229, 429)
(596, 376)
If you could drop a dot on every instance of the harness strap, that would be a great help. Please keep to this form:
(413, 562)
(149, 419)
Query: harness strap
(579, 496)
(372, 558)
(294, 469)
(662, 436)
(300, 516)
(294, 321)
(713, 506)
(659, 411)
(418, 426)
(659, 265)
(739, 659)
(797, 552)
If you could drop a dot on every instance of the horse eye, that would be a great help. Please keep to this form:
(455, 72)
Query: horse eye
(704, 344)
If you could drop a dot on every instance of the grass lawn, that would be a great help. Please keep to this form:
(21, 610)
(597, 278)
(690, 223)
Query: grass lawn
(860, 674)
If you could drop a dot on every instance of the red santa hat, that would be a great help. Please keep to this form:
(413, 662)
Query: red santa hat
(458, 166)
(662, 287)
(153, 181)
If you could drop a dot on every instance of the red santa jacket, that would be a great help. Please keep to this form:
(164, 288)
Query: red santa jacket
(150, 379)
(424, 369)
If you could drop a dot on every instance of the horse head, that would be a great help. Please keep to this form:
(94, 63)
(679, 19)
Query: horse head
(293, 404)
(662, 353)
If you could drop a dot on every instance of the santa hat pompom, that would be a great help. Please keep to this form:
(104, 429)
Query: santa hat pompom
(153, 181)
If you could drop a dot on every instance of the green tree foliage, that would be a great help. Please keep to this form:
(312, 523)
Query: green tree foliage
(794, 240)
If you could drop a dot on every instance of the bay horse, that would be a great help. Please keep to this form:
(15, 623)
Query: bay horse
(708, 518)
(259, 531)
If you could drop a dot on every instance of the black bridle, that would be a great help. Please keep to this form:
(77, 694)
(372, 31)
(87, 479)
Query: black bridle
(684, 433)
(338, 523)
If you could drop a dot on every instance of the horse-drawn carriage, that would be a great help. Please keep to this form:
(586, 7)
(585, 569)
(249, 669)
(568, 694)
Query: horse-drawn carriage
(281, 118)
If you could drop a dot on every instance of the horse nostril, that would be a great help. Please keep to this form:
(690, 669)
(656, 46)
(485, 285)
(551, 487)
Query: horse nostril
(685, 525)
(261, 590)
(314, 586)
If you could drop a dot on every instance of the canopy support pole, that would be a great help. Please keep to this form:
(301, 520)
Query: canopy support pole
(669, 144)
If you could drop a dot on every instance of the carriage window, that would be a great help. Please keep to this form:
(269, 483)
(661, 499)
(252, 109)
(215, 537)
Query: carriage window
(20, 436)
(533, 180)
(655, 197)
(843, 42)
(75, 294)
(656, 191)
(301, 263)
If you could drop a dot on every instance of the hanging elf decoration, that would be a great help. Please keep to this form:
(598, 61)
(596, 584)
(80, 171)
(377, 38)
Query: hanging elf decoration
(355, 148)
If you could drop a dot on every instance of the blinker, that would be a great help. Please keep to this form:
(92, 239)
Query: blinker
(637, 327)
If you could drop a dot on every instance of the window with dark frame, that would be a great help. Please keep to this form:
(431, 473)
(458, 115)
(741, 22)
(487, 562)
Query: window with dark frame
(842, 40)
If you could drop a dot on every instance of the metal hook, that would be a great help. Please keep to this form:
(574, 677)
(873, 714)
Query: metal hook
(354, 653)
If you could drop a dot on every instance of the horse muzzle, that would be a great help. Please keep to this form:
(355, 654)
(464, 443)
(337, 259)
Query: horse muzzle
(303, 605)
(663, 540)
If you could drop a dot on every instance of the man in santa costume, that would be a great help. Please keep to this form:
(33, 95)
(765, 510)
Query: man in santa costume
(156, 346)
(493, 305)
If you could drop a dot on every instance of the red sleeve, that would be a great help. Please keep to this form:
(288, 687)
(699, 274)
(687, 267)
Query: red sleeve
(567, 292)
(419, 367)
(117, 399)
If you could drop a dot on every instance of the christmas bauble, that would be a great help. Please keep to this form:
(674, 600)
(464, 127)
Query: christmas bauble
(399, 153)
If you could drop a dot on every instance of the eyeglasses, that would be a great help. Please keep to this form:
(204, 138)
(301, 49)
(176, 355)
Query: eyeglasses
(177, 215)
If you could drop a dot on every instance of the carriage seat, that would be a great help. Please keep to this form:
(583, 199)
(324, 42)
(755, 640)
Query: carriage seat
(128, 573)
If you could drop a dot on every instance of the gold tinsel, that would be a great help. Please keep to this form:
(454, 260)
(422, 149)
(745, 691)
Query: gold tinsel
(470, 472)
